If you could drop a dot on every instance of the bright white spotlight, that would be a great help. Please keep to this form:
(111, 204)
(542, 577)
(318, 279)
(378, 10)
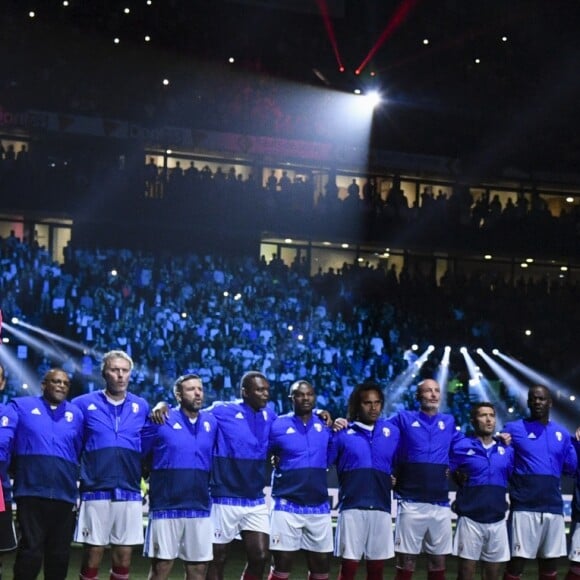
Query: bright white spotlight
(462, 350)
(495, 351)
(14, 320)
(373, 99)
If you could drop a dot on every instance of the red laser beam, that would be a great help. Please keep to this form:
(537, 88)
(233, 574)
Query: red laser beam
(323, 8)
(397, 19)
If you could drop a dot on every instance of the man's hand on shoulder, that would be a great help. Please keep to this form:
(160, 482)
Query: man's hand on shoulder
(325, 416)
(160, 413)
(339, 424)
(505, 438)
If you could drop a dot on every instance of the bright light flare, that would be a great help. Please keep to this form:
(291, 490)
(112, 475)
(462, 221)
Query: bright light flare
(373, 99)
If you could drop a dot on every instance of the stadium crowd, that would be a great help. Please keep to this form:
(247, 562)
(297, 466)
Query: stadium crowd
(219, 317)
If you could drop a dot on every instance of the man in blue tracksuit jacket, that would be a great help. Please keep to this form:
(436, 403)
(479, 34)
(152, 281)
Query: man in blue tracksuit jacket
(179, 457)
(363, 453)
(300, 519)
(239, 476)
(423, 514)
(543, 452)
(47, 447)
(8, 421)
(111, 511)
(481, 466)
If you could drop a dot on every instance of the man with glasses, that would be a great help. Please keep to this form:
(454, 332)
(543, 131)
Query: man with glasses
(47, 447)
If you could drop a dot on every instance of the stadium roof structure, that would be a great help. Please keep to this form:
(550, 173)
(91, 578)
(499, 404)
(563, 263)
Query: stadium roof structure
(488, 81)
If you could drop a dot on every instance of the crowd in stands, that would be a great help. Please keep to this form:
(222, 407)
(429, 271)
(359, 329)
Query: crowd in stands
(221, 316)
(193, 193)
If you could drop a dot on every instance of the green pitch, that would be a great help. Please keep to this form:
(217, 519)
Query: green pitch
(140, 567)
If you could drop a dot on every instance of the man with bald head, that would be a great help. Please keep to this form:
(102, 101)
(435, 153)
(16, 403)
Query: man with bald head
(47, 447)
(423, 514)
(543, 453)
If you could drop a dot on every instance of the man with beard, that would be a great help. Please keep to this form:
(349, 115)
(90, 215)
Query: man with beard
(179, 455)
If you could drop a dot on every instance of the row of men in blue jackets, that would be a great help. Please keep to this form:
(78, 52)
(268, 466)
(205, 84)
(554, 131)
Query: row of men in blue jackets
(207, 471)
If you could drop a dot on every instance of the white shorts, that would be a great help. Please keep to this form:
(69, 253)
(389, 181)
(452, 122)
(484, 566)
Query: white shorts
(423, 527)
(476, 541)
(189, 539)
(230, 520)
(364, 533)
(103, 522)
(574, 553)
(537, 535)
(291, 532)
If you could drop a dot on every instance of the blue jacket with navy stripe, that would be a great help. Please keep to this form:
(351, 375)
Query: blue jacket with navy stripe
(302, 452)
(363, 460)
(482, 497)
(111, 458)
(47, 446)
(542, 454)
(239, 467)
(423, 455)
(180, 453)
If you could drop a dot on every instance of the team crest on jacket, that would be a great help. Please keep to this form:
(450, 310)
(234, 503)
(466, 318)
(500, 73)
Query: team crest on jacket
(441, 425)
(5, 421)
(318, 427)
(206, 426)
(135, 407)
(68, 417)
(386, 432)
(558, 435)
(501, 450)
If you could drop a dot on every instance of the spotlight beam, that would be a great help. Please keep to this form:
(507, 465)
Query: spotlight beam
(558, 389)
(443, 375)
(404, 380)
(16, 368)
(56, 337)
(38, 345)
